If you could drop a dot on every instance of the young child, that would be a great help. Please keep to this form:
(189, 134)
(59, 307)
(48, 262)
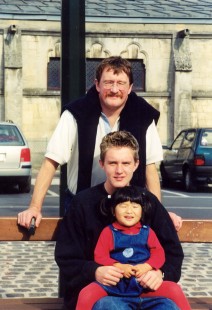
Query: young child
(134, 248)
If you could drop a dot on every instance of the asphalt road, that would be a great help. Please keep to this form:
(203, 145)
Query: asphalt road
(187, 205)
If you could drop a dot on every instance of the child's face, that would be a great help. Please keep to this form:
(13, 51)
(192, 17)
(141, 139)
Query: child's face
(128, 213)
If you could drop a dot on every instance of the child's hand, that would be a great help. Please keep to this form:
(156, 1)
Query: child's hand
(140, 269)
(127, 268)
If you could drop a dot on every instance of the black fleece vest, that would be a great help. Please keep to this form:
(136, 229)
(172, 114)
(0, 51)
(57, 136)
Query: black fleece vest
(136, 117)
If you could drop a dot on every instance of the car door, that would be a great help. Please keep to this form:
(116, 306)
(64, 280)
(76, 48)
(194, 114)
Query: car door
(186, 151)
(171, 155)
(205, 146)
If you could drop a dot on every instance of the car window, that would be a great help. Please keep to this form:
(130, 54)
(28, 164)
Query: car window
(10, 135)
(206, 138)
(189, 138)
(177, 142)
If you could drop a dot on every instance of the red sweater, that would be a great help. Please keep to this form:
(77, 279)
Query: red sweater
(105, 245)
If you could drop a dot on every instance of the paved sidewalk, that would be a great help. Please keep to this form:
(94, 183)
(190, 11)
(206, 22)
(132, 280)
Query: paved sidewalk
(196, 278)
(27, 269)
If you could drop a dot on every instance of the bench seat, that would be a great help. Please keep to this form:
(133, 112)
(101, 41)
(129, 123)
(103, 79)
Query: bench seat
(192, 231)
(197, 303)
(31, 303)
(200, 303)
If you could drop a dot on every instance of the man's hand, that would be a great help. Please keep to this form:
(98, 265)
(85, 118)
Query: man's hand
(152, 279)
(140, 269)
(108, 275)
(25, 217)
(177, 220)
(127, 268)
(42, 184)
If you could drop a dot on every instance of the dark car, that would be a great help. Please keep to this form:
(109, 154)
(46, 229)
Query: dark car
(189, 159)
(15, 162)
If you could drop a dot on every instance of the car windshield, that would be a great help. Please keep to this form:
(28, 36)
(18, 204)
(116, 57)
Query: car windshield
(206, 138)
(10, 135)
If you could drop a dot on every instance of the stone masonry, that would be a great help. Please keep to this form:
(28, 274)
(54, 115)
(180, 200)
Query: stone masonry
(28, 269)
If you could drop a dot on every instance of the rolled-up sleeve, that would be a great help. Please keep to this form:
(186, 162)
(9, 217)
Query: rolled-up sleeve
(63, 138)
(154, 150)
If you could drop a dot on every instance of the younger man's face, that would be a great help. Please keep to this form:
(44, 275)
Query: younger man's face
(119, 166)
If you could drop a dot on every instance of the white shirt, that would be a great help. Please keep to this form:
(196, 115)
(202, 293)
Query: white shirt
(63, 147)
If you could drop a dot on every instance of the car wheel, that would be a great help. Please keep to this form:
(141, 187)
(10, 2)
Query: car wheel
(188, 182)
(165, 181)
(25, 187)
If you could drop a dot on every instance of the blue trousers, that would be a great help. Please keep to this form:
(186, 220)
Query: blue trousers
(135, 303)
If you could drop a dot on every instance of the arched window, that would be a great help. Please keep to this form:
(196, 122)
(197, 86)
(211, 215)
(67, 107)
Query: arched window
(53, 73)
(53, 76)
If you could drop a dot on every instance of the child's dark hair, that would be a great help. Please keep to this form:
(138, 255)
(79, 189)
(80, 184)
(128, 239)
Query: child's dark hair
(127, 193)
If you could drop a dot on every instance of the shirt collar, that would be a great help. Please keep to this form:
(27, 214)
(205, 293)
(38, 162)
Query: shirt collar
(133, 229)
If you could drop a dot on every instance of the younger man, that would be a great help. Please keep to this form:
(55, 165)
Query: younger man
(81, 227)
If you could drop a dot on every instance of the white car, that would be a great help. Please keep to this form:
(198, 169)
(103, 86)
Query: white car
(15, 158)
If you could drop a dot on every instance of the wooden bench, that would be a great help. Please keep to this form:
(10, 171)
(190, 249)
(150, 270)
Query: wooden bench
(192, 231)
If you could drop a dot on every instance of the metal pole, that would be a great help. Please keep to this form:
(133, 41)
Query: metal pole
(72, 73)
(73, 64)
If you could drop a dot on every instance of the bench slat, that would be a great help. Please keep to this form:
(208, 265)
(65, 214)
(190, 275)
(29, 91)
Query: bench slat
(197, 303)
(196, 231)
(191, 231)
(31, 304)
(200, 303)
(11, 231)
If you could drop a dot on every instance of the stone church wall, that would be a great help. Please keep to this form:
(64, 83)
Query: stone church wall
(177, 59)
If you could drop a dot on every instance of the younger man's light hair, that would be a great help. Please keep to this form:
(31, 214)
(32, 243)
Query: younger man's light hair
(119, 139)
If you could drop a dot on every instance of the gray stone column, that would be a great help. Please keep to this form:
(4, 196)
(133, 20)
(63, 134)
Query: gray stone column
(13, 90)
(182, 81)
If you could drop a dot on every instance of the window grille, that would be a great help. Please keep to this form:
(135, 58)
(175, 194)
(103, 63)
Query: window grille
(53, 74)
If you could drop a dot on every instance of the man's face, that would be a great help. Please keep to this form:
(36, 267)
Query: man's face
(119, 166)
(113, 90)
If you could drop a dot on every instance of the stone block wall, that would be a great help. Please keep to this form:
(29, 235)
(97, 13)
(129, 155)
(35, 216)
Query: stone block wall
(178, 72)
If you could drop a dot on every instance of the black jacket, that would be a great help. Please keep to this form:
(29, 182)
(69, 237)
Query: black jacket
(79, 232)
